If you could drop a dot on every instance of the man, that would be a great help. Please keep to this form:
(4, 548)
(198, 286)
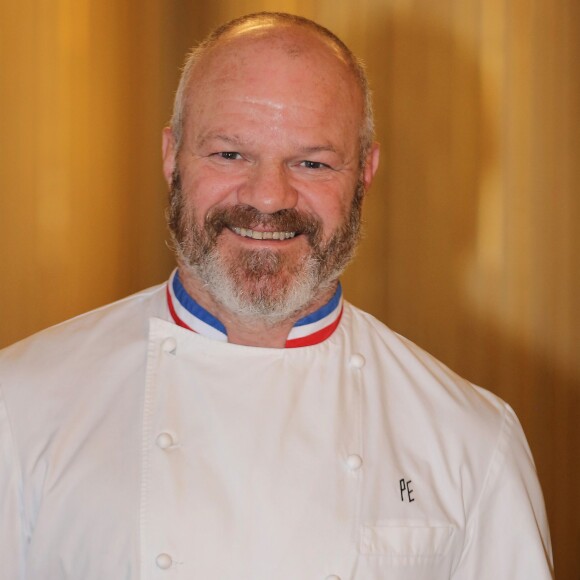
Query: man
(180, 433)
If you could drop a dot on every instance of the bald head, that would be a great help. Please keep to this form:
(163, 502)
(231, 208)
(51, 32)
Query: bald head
(294, 36)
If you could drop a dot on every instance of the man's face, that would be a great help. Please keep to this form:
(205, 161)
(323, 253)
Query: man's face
(267, 185)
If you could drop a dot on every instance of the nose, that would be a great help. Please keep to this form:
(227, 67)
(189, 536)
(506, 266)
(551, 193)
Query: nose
(268, 189)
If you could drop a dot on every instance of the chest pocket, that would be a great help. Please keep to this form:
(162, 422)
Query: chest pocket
(405, 550)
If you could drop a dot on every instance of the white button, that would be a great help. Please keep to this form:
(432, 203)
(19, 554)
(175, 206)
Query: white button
(357, 361)
(332, 577)
(164, 561)
(354, 462)
(169, 345)
(164, 440)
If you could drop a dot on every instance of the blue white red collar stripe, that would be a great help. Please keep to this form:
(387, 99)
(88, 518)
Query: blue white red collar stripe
(318, 325)
(312, 329)
(186, 312)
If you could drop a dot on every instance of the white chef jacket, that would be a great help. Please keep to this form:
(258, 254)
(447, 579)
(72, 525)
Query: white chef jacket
(131, 448)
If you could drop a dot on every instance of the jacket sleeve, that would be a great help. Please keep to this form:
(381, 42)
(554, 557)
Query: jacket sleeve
(507, 533)
(12, 544)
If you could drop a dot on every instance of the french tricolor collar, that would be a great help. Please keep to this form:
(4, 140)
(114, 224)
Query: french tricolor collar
(310, 330)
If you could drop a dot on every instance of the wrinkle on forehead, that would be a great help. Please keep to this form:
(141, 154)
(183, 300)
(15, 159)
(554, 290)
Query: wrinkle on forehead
(264, 102)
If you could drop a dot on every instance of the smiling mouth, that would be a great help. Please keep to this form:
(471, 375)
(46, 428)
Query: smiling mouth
(247, 233)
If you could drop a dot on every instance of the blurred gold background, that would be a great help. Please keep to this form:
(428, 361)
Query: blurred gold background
(472, 241)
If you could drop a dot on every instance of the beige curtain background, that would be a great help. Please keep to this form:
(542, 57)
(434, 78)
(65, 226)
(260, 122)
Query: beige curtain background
(472, 241)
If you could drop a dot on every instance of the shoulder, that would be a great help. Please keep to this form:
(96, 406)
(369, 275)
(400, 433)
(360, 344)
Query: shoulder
(421, 384)
(85, 336)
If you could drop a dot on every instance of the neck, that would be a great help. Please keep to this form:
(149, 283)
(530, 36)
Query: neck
(249, 331)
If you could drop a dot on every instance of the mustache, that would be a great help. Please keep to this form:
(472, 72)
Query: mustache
(248, 217)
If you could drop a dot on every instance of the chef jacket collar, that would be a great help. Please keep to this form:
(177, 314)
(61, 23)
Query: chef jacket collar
(309, 330)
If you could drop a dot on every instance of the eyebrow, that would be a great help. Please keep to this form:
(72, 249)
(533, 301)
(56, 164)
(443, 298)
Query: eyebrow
(230, 139)
(318, 149)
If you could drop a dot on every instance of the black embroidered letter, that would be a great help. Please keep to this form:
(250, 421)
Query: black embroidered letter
(405, 486)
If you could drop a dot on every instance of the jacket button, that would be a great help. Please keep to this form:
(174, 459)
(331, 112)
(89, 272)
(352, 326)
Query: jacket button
(164, 440)
(354, 462)
(169, 345)
(164, 561)
(357, 361)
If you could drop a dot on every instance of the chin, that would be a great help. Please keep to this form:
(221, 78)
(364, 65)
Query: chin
(263, 285)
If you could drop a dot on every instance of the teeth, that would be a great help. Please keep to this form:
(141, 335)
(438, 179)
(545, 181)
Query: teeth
(246, 233)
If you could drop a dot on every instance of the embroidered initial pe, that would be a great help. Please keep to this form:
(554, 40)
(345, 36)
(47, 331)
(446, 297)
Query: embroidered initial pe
(406, 490)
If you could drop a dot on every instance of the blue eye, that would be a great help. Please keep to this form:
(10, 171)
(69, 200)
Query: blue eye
(231, 155)
(314, 164)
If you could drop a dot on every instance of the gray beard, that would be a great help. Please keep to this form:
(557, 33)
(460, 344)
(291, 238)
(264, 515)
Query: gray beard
(262, 284)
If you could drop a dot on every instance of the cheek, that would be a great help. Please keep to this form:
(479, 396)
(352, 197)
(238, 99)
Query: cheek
(333, 210)
(203, 193)
(208, 191)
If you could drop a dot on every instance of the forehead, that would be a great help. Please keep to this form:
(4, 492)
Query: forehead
(283, 65)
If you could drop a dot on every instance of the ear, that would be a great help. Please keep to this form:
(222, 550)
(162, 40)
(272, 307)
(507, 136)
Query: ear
(371, 165)
(169, 154)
